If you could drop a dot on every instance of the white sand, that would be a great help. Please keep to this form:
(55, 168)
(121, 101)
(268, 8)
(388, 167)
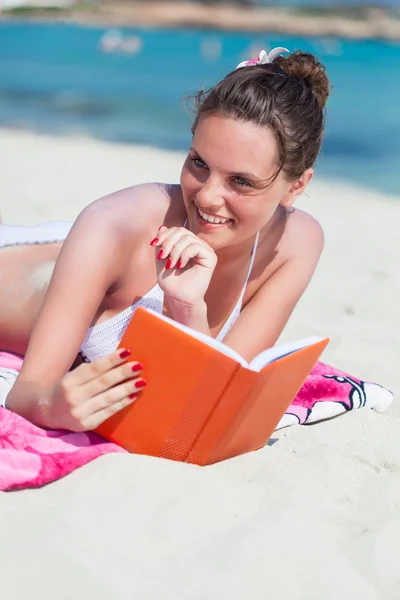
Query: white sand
(314, 516)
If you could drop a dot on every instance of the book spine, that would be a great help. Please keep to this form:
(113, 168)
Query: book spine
(205, 396)
(224, 415)
(241, 436)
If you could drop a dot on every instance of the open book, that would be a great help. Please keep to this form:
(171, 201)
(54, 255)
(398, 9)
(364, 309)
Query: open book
(203, 402)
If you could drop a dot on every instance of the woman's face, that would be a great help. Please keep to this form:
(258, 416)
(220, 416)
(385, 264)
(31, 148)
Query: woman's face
(224, 180)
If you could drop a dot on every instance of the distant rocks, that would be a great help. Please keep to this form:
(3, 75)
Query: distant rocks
(376, 24)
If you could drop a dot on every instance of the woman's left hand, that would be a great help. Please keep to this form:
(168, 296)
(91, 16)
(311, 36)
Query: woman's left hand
(185, 265)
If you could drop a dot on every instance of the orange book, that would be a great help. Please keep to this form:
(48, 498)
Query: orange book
(203, 402)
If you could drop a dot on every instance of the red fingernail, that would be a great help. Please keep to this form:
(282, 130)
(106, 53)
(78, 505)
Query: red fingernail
(133, 396)
(160, 254)
(154, 242)
(137, 367)
(140, 383)
(124, 353)
(179, 264)
(168, 264)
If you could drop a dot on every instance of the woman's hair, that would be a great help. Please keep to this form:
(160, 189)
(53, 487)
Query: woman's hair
(287, 95)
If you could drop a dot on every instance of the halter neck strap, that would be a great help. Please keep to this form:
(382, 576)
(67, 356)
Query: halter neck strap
(253, 256)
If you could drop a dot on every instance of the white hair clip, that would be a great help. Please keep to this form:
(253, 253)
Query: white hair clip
(263, 58)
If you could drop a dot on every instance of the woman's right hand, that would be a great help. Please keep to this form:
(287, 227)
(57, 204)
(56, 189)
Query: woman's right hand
(93, 392)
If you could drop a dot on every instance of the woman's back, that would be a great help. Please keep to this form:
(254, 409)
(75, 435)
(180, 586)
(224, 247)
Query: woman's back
(25, 273)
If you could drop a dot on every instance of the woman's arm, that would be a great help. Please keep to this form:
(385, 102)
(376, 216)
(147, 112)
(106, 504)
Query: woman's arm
(263, 319)
(86, 267)
(96, 252)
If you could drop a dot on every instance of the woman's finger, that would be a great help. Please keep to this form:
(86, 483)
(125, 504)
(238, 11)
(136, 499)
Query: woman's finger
(88, 371)
(169, 239)
(125, 372)
(176, 251)
(162, 234)
(106, 400)
(201, 254)
(155, 241)
(95, 419)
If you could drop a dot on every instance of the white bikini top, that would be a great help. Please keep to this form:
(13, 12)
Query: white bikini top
(104, 338)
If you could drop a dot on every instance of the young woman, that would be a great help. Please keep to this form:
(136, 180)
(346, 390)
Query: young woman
(223, 252)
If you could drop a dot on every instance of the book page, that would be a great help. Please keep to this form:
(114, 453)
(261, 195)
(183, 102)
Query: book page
(272, 354)
(260, 361)
(202, 337)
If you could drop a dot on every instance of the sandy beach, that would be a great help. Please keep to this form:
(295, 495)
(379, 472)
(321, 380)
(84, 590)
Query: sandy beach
(314, 515)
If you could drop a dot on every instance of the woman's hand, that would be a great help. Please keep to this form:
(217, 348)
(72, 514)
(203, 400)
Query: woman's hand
(93, 392)
(185, 265)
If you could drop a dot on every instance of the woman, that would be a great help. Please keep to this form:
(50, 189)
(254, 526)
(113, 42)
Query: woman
(223, 252)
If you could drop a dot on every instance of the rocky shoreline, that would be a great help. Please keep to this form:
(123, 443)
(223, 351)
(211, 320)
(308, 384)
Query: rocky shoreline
(376, 23)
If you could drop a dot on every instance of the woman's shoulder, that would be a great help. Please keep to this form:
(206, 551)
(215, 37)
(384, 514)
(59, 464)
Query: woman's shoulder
(131, 214)
(301, 227)
(303, 237)
(297, 239)
(138, 207)
(293, 234)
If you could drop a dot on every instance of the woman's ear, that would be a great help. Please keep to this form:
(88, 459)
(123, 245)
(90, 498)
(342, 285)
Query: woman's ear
(296, 188)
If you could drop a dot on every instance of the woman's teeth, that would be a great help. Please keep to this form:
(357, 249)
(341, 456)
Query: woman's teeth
(211, 219)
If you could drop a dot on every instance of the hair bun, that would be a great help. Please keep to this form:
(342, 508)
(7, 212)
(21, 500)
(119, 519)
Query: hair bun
(306, 65)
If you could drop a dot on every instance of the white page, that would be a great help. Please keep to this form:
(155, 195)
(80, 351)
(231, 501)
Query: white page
(207, 339)
(268, 356)
(260, 361)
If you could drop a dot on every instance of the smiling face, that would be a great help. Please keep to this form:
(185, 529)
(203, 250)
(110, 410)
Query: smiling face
(225, 180)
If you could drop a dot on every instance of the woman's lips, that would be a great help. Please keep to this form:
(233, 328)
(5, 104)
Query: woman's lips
(208, 224)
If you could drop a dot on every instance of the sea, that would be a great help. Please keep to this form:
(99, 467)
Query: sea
(132, 85)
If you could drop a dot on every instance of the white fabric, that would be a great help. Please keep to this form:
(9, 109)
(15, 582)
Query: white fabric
(45, 233)
(7, 380)
(104, 338)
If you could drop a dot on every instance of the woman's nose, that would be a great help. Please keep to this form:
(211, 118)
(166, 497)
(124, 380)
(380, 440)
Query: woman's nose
(210, 195)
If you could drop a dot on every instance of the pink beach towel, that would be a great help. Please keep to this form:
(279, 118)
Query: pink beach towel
(32, 457)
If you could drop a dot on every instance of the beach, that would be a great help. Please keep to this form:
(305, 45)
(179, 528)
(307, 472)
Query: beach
(315, 514)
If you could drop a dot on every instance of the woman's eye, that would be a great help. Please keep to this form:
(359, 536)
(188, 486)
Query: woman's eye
(242, 182)
(198, 162)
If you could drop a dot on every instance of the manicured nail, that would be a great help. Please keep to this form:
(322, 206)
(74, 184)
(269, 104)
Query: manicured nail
(137, 367)
(140, 383)
(154, 242)
(133, 396)
(168, 264)
(160, 254)
(179, 264)
(125, 354)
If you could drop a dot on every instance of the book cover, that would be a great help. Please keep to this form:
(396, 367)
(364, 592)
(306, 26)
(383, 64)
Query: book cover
(203, 403)
(185, 380)
(242, 422)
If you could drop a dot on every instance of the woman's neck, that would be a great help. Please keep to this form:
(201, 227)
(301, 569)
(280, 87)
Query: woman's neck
(236, 253)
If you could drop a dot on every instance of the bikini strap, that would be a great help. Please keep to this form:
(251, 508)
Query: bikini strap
(253, 256)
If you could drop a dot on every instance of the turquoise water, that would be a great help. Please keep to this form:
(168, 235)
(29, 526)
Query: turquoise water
(57, 78)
